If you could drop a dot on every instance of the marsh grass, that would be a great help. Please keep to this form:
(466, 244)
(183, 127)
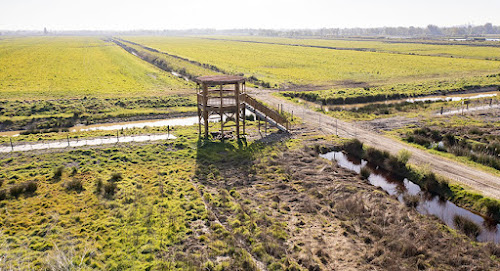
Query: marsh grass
(466, 226)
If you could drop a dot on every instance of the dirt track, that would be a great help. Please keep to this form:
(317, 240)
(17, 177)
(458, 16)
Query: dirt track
(485, 183)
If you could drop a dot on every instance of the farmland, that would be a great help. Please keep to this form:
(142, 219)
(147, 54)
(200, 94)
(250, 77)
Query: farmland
(266, 202)
(486, 51)
(68, 67)
(289, 65)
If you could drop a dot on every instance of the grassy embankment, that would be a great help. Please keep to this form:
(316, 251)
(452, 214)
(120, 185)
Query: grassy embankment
(58, 81)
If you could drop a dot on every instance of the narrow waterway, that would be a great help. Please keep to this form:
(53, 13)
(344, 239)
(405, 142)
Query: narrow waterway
(428, 204)
(184, 121)
(59, 144)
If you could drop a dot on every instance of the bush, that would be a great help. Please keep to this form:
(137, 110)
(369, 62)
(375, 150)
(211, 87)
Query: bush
(466, 226)
(16, 190)
(74, 185)
(115, 177)
(98, 186)
(354, 147)
(365, 172)
(109, 189)
(404, 156)
(376, 156)
(493, 210)
(411, 200)
(58, 172)
(3, 194)
(30, 187)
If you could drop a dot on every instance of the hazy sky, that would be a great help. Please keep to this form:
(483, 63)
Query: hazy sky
(225, 14)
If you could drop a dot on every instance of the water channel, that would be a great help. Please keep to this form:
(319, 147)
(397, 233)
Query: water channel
(428, 204)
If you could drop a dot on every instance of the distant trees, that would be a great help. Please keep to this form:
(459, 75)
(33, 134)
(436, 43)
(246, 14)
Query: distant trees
(434, 30)
(45, 31)
(430, 30)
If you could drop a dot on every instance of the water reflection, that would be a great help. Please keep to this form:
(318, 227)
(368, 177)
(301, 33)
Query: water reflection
(84, 142)
(428, 204)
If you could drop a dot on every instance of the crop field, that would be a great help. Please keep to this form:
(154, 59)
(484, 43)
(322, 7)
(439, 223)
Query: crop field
(289, 65)
(474, 51)
(61, 67)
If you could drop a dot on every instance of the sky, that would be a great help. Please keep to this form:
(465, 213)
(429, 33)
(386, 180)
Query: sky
(231, 14)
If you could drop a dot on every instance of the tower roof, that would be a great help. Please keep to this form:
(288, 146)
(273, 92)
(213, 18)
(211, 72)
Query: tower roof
(220, 79)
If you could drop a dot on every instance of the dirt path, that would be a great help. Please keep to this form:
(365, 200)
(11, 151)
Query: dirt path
(485, 183)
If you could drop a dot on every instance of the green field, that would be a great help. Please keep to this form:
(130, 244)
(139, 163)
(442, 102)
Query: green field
(61, 67)
(391, 46)
(291, 65)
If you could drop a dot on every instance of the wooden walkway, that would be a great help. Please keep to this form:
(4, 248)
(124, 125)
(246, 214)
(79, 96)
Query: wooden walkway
(265, 112)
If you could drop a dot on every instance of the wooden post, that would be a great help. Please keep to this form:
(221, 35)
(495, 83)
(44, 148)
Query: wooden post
(265, 125)
(337, 127)
(244, 119)
(441, 110)
(237, 97)
(205, 112)
(221, 112)
(199, 115)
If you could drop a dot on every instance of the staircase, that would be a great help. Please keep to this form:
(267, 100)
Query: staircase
(266, 113)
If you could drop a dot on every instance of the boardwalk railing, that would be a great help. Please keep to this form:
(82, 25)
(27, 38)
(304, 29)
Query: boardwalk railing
(266, 111)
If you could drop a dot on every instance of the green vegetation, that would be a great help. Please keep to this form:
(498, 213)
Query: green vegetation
(66, 67)
(467, 226)
(396, 91)
(428, 181)
(391, 46)
(148, 205)
(479, 143)
(291, 65)
(53, 114)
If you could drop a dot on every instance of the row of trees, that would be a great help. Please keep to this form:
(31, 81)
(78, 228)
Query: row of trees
(429, 31)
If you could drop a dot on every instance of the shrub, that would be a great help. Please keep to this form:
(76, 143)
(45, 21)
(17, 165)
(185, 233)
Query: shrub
(109, 189)
(365, 172)
(116, 177)
(3, 194)
(16, 190)
(98, 186)
(411, 200)
(493, 210)
(466, 226)
(58, 172)
(75, 185)
(404, 156)
(30, 187)
(354, 147)
(377, 156)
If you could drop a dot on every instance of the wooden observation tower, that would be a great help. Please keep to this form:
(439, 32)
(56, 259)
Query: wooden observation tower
(222, 96)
